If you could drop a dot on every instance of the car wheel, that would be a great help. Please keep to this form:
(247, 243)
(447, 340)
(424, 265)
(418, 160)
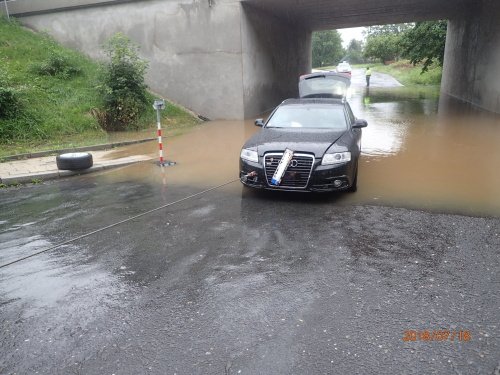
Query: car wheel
(354, 187)
(74, 161)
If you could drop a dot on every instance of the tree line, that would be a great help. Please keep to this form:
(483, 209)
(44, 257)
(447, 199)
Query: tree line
(420, 42)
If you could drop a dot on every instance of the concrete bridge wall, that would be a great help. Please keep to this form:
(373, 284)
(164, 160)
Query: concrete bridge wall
(218, 58)
(472, 57)
(194, 50)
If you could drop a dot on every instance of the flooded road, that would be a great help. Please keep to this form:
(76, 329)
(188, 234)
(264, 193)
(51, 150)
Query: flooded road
(412, 155)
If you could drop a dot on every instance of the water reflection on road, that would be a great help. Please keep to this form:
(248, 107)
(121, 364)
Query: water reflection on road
(413, 155)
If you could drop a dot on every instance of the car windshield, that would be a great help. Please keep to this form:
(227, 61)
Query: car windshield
(309, 116)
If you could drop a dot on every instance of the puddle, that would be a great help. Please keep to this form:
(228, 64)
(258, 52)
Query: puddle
(206, 156)
(413, 154)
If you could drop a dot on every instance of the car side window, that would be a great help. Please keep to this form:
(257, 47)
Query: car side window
(350, 115)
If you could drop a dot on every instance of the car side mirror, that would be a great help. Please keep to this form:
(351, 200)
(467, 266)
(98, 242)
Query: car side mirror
(359, 123)
(259, 122)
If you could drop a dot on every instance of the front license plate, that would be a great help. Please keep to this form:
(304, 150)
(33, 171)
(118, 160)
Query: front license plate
(282, 166)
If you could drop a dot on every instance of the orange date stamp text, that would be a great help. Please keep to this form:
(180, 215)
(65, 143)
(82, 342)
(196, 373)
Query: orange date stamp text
(436, 335)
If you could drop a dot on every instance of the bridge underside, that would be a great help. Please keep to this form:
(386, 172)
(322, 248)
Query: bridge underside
(237, 58)
(472, 58)
(327, 14)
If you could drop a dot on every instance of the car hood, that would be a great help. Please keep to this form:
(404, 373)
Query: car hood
(315, 141)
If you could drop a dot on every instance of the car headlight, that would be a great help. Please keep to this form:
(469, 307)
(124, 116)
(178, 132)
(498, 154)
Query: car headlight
(249, 155)
(335, 158)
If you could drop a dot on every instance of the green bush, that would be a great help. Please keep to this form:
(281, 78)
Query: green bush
(9, 98)
(9, 102)
(123, 91)
(16, 120)
(57, 64)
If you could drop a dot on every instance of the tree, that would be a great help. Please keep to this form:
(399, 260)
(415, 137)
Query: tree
(123, 89)
(383, 42)
(425, 42)
(384, 47)
(326, 48)
(396, 28)
(354, 52)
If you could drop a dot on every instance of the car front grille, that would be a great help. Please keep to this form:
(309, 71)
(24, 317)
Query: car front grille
(296, 175)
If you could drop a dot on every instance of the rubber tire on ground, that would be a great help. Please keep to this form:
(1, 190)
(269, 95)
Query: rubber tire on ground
(74, 161)
(354, 187)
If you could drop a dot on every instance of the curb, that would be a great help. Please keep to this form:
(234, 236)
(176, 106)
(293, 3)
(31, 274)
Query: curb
(52, 175)
(104, 146)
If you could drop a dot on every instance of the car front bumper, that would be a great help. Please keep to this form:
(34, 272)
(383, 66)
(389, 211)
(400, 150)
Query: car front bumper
(323, 178)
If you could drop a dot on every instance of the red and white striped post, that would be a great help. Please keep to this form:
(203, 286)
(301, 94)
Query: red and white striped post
(160, 144)
(159, 104)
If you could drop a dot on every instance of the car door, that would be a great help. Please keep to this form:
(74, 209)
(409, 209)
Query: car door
(356, 132)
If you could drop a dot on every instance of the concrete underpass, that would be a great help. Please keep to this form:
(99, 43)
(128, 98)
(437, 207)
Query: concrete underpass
(235, 59)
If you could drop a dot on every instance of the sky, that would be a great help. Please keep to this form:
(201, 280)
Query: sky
(351, 33)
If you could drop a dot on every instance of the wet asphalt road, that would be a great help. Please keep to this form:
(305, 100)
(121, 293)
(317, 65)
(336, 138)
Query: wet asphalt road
(234, 282)
(377, 79)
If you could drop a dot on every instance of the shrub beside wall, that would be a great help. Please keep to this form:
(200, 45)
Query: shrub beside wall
(124, 95)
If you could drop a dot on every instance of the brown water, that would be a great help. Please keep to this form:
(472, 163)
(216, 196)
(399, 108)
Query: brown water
(413, 155)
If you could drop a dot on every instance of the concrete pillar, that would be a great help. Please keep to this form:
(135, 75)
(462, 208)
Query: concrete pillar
(471, 71)
(275, 54)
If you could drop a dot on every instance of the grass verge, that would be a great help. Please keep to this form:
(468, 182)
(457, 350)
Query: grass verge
(408, 74)
(52, 110)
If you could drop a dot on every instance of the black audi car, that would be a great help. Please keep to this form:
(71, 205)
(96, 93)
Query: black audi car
(307, 144)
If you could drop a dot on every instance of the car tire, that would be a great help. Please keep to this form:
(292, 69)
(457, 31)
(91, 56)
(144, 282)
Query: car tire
(74, 161)
(354, 187)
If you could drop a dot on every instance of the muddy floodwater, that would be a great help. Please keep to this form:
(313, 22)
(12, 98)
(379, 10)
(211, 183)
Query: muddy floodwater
(417, 153)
